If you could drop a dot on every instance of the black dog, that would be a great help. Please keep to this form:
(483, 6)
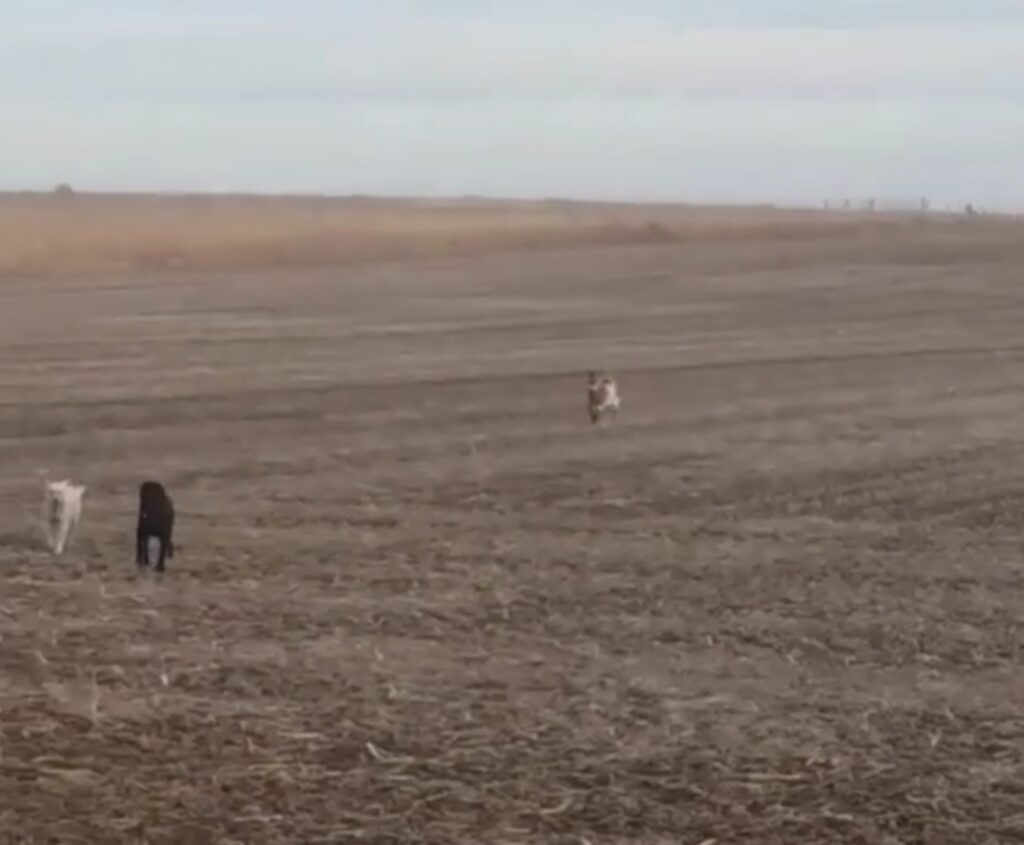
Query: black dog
(156, 519)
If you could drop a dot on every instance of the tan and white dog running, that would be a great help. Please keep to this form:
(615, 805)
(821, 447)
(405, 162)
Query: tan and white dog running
(602, 396)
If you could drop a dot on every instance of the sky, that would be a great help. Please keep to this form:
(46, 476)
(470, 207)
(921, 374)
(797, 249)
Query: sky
(787, 101)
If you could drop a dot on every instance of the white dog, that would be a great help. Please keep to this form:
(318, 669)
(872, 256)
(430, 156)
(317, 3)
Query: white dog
(62, 508)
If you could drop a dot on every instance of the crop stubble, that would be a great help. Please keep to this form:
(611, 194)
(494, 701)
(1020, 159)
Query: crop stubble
(420, 600)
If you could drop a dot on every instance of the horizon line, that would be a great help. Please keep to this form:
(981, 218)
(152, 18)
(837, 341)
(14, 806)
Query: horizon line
(882, 204)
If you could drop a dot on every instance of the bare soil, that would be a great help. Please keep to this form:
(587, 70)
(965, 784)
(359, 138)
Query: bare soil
(419, 599)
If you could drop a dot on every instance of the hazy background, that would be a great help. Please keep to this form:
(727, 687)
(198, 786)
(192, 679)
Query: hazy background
(724, 100)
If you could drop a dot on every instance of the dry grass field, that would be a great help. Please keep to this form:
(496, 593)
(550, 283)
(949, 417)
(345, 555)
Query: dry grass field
(51, 234)
(419, 599)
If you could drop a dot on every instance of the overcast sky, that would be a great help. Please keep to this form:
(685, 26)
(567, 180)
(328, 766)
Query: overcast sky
(704, 100)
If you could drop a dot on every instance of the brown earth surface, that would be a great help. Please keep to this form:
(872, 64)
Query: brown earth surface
(419, 599)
